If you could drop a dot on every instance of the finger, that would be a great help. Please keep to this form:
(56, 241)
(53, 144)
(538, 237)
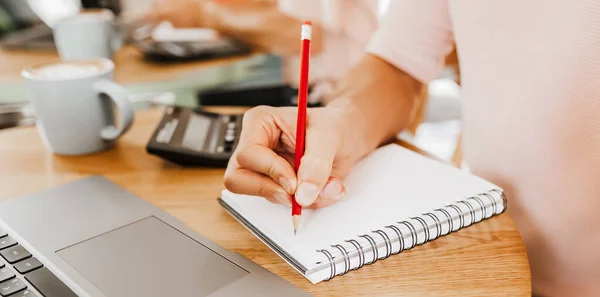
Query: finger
(333, 192)
(322, 203)
(289, 158)
(263, 160)
(315, 166)
(247, 182)
(260, 128)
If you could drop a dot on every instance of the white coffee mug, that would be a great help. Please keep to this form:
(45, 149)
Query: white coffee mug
(92, 33)
(73, 102)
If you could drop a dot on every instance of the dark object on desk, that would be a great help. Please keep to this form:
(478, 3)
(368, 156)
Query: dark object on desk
(189, 51)
(192, 137)
(181, 51)
(16, 114)
(272, 95)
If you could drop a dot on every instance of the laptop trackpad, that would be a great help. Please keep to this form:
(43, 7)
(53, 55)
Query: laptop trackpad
(150, 258)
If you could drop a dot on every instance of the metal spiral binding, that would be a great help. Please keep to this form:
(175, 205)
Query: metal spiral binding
(425, 228)
(400, 236)
(347, 262)
(331, 263)
(448, 217)
(438, 222)
(374, 248)
(471, 210)
(387, 241)
(504, 200)
(483, 208)
(461, 219)
(494, 205)
(413, 233)
(361, 253)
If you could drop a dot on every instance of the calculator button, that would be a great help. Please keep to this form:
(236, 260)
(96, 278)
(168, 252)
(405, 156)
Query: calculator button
(229, 138)
(5, 274)
(15, 254)
(10, 287)
(6, 242)
(228, 147)
(28, 265)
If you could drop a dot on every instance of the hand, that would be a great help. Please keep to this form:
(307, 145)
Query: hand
(180, 13)
(262, 164)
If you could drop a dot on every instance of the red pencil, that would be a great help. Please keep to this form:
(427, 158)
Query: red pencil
(301, 122)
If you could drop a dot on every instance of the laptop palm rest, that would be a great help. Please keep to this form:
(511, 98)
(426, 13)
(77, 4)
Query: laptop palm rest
(124, 262)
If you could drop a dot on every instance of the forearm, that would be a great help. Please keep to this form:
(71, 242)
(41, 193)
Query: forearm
(260, 24)
(378, 99)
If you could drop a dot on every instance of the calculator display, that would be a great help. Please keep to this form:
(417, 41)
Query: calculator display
(196, 132)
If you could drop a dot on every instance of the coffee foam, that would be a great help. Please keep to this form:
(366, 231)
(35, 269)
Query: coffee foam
(67, 70)
(91, 15)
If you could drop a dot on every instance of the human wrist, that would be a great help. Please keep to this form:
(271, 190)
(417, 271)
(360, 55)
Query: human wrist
(356, 129)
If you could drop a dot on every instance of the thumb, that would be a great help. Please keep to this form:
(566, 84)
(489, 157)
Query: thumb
(316, 165)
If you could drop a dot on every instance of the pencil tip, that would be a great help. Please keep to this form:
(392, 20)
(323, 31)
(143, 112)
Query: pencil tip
(296, 221)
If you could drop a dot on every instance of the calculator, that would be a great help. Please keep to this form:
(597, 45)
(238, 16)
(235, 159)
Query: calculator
(194, 137)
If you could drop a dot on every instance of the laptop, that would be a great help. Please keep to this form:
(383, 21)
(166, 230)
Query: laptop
(93, 238)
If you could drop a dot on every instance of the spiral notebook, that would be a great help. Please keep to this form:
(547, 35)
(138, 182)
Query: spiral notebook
(396, 199)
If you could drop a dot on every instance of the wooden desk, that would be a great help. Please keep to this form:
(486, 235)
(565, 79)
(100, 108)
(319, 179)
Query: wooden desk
(487, 259)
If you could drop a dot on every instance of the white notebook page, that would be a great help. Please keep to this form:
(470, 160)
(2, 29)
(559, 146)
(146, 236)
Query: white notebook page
(390, 185)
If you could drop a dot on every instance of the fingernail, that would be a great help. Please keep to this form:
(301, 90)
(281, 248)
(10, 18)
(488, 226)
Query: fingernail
(306, 193)
(340, 196)
(282, 198)
(331, 190)
(286, 185)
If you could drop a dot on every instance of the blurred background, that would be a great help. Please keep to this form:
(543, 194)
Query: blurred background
(25, 34)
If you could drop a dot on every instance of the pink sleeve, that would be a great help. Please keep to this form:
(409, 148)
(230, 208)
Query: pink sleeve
(415, 36)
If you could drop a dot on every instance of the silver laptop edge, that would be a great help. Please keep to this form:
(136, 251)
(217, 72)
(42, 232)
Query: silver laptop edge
(63, 226)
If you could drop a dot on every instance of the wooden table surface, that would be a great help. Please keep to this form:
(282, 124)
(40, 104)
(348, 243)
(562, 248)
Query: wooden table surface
(487, 259)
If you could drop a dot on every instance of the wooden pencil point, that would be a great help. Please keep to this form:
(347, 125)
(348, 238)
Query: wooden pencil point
(296, 222)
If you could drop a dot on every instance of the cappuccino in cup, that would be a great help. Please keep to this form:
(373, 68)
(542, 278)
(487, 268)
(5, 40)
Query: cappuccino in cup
(92, 33)
(67, 70)
(73, 101)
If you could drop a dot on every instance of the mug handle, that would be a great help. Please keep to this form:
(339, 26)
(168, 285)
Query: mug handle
(120, 97)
